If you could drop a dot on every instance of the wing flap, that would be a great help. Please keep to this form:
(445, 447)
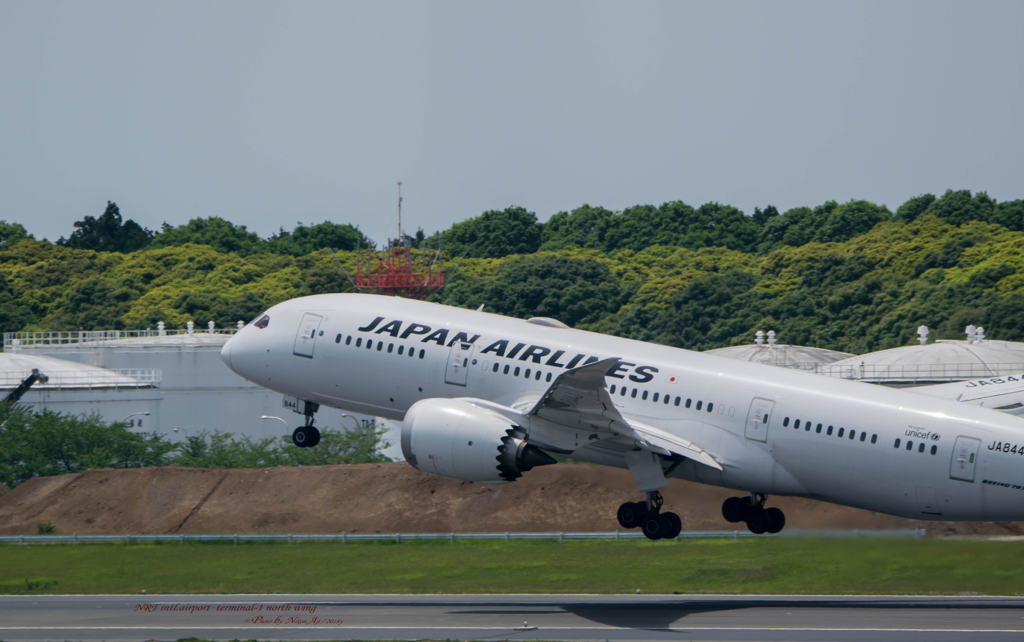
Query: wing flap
(579, 396)
(674, 444)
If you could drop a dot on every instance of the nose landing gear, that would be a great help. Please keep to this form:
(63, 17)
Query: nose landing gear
(648, 516)
(307, 436)
(759, 519)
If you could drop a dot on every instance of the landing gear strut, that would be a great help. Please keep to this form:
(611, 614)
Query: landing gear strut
(307, 436)
(751, 510)
(648, 516)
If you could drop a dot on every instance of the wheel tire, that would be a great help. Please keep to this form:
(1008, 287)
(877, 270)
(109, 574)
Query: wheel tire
(314, 437)
(757, 521)
(630, 514)
(654, 525)
(776, 520)
(300, 437)
(735, 509)
(675, 525)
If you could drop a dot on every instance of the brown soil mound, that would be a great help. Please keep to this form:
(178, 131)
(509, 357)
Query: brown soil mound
(386, 498)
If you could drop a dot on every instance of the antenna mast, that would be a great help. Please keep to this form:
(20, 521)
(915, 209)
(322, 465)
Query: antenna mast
(396, 271)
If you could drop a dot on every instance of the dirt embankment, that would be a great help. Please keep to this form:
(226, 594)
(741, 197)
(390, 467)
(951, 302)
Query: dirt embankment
(385, 498)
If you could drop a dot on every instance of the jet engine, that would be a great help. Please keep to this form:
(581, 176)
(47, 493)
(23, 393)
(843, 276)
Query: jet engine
(457, 439)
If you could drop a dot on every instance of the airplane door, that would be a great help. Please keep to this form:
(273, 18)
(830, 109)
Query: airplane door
(458, 363)
(306, 336)
(758, 418)
(965, 458)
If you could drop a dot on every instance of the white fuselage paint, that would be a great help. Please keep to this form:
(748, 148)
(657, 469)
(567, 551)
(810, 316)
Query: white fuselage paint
(790, 461)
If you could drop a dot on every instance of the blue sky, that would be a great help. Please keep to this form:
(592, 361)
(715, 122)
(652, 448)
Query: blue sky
(272, 113)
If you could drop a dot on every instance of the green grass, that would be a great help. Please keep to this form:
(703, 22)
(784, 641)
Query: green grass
(790, 565)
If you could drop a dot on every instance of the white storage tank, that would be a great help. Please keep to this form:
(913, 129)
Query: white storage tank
(766, 350)
(943, 361)
(196, 390)
(129, 395)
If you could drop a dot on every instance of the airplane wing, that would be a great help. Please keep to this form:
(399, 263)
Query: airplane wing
(1005, 394)
(579, 397)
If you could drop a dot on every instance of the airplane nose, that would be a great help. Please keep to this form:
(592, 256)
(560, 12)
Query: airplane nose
(225, 352)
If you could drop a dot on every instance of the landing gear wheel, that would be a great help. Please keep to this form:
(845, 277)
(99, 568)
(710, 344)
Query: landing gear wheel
(655, 525)
(675, 525)
(735, 509)
(776, 520)
(306, 436)
(631, 513)
(757, 520)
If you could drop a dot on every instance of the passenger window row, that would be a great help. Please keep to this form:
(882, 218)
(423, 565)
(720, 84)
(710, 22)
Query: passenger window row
(526, 375)
(665, 399)
(920, 447)
(380, 346)
(852, 434)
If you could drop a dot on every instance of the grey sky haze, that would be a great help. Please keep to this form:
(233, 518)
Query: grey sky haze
(271, 113)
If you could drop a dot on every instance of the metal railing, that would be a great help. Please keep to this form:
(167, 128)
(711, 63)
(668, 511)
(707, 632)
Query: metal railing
(903, 372)
(922, 372)
(451, 537)
(16, 340)
(99, 378)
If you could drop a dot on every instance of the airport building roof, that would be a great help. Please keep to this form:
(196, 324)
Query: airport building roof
(776, 354)
(933, 362)
(14, 368)
(160, 338)
(939, 361)
(781, 355)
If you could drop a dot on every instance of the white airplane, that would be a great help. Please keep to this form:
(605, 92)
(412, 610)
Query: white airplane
(485, 398)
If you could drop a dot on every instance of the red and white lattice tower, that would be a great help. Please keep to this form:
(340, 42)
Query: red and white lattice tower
(399, 269)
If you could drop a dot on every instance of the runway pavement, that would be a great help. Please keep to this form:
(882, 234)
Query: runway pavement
(511, 617)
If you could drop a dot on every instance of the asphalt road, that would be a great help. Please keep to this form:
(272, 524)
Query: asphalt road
(511, 617)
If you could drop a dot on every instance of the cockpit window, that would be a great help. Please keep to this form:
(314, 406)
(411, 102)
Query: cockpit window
(263, 321)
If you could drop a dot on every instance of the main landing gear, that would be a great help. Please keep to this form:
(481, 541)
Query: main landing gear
(751, 510)
(307, 436)
(648, 516)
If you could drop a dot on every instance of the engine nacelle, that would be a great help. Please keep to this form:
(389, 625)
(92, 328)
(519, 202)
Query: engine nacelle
(456, 439)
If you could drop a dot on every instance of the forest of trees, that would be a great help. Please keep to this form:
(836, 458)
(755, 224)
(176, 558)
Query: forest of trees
(847, 276)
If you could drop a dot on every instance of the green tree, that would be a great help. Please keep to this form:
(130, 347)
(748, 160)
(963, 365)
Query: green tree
(495, 234)
(572, 290)
(219, 234)
(707, 313)
(220, 449)
(949, 256)
(959, 207)
(677, 224)
(223, 450)
(584, 227)
(12, 233)
(305, 240)
(1010, 214)
(108, 233)
(761, 217)
(792, 228)
(913, 209)
(830, 222)
(95, 303)
(14, 313)
(36, 444)
(361, 446)
(848, 220)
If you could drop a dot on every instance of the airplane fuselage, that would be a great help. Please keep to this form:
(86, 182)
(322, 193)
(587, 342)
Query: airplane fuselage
(774, 431)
